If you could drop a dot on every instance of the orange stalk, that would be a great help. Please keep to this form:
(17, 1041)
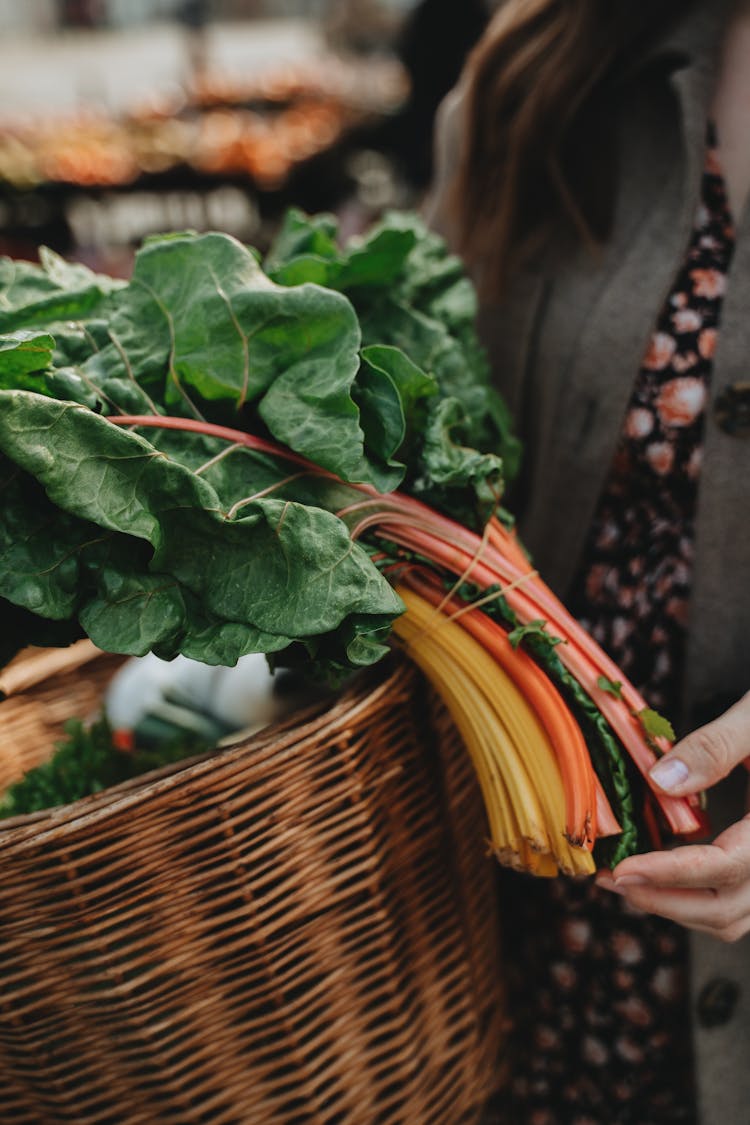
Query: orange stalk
(551, 710)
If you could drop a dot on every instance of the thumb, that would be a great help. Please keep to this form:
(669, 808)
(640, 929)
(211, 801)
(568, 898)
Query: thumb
(707, 754)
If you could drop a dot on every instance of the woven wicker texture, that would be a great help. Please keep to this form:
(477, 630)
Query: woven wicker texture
(299, 928)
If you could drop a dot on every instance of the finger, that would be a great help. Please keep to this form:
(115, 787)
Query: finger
(725, 863)
(725, 915)
(706, 755)
(695, 866)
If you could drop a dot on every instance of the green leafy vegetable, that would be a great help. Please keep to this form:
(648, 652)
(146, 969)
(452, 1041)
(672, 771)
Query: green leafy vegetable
(22, 353)
(86, 762)
(533, 629)
(612, 687)
(178, 543)
(409, 292)
(54, 291)
(139, 548)
(655, 725)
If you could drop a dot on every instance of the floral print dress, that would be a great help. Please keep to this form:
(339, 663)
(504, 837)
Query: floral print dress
(597, 992)
(632, 591)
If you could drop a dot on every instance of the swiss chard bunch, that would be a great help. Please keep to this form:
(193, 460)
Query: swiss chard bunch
(361, 360)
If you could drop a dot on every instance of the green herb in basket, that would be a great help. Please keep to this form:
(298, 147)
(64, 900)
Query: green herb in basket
(86, 762)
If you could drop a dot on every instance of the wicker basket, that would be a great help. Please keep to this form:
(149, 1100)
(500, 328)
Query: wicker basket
(299, 928)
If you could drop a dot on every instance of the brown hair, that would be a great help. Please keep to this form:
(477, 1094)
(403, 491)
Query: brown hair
(539, 152)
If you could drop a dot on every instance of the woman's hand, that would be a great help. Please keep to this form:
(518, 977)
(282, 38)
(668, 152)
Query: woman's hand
(706, 886)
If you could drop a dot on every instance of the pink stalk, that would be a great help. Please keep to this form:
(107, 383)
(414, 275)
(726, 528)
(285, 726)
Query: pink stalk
(677, 810)
(237, 437)
(549, 606)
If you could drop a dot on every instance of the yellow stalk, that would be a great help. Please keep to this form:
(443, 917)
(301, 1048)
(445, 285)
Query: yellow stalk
(516, 765)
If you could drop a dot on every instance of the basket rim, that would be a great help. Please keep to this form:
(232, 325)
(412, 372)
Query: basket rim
(326, 717)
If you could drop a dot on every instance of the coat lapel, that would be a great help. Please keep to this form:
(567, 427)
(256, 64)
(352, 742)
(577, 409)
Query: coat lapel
(595, 335)
(718, 665)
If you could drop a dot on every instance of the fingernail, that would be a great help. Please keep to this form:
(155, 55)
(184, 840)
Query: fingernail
(631, 881)
(669, 774)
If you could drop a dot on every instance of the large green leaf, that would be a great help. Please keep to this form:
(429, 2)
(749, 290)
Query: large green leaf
(200, 323)
(389, 391)
(301, 235)
(55, 290)
(451, 464)
(306, 250)
(22, 352)
(64, 575)
(280, 569)
(363, 358)
(411, 293)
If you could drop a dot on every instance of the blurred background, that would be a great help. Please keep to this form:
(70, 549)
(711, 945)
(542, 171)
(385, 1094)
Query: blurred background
(121, 118)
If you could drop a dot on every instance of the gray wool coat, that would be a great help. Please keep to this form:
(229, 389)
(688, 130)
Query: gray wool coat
(565, 346)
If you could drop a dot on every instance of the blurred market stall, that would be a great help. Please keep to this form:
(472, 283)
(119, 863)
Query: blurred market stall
(119, 120)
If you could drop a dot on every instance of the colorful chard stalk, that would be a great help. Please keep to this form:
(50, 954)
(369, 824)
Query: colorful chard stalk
(544, 712)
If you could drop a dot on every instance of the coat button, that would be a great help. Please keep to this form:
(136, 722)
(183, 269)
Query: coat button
(717, 1001)
(732, 410)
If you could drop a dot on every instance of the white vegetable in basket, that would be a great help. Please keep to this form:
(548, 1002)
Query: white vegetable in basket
(153, 700)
